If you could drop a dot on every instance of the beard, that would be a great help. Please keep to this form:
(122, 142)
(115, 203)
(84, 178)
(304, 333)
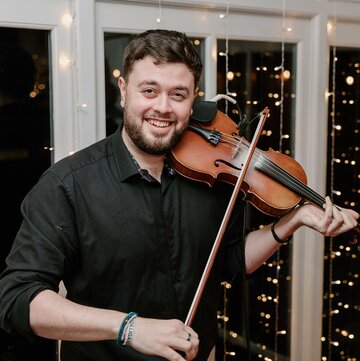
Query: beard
(159, 146)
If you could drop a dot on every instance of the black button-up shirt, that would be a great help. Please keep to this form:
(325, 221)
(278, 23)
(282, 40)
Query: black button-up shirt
(119, 240)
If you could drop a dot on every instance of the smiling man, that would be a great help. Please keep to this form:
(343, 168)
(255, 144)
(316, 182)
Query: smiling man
(130, 237)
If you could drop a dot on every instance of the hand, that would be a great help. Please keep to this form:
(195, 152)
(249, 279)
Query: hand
(164, 338)
(331, 221)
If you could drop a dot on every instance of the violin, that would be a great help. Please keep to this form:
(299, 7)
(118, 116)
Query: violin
(213, 150)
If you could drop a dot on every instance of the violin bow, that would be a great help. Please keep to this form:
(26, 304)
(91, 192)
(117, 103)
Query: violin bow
(200, 289)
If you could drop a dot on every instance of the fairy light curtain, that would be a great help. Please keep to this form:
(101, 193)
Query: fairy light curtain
(341, 321)
(259, 74)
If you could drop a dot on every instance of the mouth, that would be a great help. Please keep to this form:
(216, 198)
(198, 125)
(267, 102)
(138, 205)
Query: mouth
(159, 123)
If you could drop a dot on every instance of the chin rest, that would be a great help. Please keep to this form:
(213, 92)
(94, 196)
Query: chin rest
(204, 111)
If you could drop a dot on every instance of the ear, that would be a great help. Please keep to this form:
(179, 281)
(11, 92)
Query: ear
(122, 87)
(196, 92)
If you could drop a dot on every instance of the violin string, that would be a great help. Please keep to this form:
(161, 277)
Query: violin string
(278, 173)
(288, 179)
(226, 111)
(274, 170)
(291, 182)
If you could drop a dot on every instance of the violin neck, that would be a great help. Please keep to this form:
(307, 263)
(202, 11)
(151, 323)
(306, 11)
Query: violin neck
(280, 175)
(277, 173)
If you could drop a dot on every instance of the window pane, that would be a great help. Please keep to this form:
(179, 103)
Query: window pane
(25, 147)
(115, 44)
(341, 326)
(250, 73)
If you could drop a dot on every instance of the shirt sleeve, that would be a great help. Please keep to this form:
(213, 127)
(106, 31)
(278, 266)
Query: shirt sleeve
(44, 247)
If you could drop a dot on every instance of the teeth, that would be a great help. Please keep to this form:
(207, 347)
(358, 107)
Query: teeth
(159, 123)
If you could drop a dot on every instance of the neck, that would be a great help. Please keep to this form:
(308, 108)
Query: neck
(154, 164)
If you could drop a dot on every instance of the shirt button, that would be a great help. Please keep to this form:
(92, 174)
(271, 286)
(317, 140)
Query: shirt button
(171, 235)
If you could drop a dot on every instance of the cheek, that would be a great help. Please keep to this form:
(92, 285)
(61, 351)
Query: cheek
(137, 107)
(183, 114)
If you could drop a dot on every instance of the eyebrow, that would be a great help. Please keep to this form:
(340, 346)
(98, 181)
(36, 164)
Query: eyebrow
(153, 82)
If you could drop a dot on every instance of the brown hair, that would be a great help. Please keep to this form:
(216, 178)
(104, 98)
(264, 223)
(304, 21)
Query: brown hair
(165, 46)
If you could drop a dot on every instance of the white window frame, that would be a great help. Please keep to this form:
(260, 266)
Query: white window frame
(21, 14)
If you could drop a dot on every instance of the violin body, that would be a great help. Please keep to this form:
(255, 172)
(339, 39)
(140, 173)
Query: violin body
(198, 159)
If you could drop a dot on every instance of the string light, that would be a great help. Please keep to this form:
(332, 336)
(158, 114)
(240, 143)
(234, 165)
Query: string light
(333, 114)
(225, 16)
(281, 104)
(224, 317)
(67, 20)
(65, 62)
(229, 76)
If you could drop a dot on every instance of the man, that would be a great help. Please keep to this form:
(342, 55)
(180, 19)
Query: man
(128, 236)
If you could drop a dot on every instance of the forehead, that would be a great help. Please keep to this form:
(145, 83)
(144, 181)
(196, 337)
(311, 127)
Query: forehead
(169, 74)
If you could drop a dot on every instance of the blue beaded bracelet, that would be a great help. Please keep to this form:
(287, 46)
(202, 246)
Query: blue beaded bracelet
(123, 325)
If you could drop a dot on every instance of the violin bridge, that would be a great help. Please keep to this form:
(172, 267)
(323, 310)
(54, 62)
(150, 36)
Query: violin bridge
(237, 148)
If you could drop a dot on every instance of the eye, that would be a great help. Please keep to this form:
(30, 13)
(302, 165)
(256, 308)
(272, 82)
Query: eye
(148, 92)
(178, 96)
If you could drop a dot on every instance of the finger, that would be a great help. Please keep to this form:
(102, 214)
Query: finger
(326, 219)
(336, 224)
(328, 206)
(349, 214)
(188, 349)
(172, 355)
(188, 329)
(193, 338)
(184, 343)
(193, 349)
(187, 343)
(343, 221)
(350, 211)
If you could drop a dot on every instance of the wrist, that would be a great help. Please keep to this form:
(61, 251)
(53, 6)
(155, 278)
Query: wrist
(278, 239)
(126, 329)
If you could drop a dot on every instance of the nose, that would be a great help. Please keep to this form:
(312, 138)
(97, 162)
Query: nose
(162, 104)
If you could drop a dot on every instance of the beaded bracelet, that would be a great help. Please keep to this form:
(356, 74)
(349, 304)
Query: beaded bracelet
(276, 237)
(128, 320)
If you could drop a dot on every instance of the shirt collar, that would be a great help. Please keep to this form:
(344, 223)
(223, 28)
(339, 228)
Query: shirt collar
(126, 163)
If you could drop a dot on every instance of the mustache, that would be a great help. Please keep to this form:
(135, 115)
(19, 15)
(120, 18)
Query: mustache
(160, 117)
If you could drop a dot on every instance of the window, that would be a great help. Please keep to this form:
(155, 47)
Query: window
(25, 146)
(250, 73)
